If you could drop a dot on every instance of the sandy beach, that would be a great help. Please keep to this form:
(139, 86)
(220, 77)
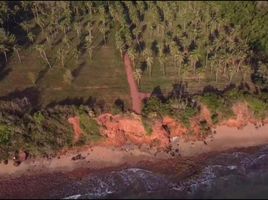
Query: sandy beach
(101, 157)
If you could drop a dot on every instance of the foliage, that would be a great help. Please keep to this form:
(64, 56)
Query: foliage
(147, 124)
(187, 114)
(5, 134)
(259, 107)
(248, 16)
(154, 105)
(257, 103)
(217, 105)
(38, 118)
(90, 128)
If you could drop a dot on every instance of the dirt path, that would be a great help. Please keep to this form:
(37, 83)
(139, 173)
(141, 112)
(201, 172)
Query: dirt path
(136, 96)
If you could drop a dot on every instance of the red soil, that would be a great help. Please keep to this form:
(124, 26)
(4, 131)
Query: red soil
(74, 121)
(119, 130)
(136, 96)
(242, 116)
(123, 129)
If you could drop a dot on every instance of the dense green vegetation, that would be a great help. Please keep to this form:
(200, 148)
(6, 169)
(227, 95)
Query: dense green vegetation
(217, 105)
(70, 53)
(43, 132)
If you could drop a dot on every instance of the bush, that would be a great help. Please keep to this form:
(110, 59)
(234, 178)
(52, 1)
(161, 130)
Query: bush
(38, 118)
(218, 105)
(257, 103)
(90, 128)
(214, 118)
(5, 134)
(147, 124)
(205, 129)
(259, 107)
(187, 114)
(155, 105)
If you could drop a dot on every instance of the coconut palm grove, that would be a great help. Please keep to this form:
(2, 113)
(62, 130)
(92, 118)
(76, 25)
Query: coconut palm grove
(65, 58)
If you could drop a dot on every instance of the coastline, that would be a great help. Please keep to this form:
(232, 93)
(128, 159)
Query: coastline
(101, 157)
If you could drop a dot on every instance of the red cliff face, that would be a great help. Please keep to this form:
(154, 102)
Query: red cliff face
(242, 116)
(122, 129)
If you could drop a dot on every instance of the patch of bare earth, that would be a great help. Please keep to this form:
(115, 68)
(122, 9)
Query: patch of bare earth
(75, 122)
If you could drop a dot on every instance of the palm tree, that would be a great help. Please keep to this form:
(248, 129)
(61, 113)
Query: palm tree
(162, 57)
(138, 75)
(119, 43)
(179, 58)
(4, 50)
(16, 49)
(162, 61)
(194, 58)
(132, 54)
(30, 36)
(41, 50)
(61, 56)
(77, 29)
(149, 60)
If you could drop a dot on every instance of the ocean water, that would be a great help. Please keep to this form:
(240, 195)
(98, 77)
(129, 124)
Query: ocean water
(227, 175)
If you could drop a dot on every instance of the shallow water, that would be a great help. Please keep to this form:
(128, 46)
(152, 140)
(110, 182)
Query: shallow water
(227, 175)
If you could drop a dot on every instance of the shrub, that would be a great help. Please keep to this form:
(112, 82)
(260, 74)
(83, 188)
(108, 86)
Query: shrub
(187, 114)
(38, 118)
(214, 118)
(212, 101)
(147, 124)
(258, 106)
(218, 105)
(5, 134)
(155, 105)
(205, 129)
(90, 128)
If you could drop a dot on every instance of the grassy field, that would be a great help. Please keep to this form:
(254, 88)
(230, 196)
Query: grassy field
(102, 77)
(194, 85)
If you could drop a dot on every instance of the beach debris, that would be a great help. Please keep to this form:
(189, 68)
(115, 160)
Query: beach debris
(78, 157)
(16, 163)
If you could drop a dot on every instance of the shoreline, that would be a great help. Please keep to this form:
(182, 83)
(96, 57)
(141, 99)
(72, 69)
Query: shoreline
(103, 157)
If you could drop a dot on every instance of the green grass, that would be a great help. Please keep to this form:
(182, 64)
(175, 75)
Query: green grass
(259, 108)
(165, 82)
(5, 134)
(187, 114)
(38, 118)
(217, 105)
(90, 128)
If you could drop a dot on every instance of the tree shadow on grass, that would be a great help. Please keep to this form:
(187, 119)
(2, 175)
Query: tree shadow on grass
(4, 72)
(157, 92)
(119, 103)
(31, 93)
